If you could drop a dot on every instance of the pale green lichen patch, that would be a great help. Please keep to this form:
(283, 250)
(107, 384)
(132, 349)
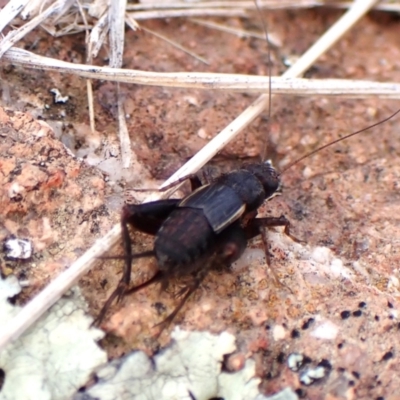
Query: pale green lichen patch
(54, 358)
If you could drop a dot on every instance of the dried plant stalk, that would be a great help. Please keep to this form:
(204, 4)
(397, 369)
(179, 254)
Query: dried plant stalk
(212, 81)
(15, 35)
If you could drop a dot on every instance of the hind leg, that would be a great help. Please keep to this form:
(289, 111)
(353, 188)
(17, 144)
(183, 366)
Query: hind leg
(147, 218)
(186, 292)
(122, 288)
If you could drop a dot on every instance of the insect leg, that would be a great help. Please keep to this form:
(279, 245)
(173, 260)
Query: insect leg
(121, 289)
(201, 178)
(190, 289)
(147, 218)
(195, 183)
(254, 225)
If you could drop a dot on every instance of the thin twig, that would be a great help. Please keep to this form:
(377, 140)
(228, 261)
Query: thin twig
(211, 81)
(117, 39)
(207, 12)
(176, 45)
(273, 39)
(227, 4)
(98, 36)
(384, 5)
(89, 86)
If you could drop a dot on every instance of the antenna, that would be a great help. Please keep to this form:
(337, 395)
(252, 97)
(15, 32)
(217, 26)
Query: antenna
(339, 140)
(263, 153)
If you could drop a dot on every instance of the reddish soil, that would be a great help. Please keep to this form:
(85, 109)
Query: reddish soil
(345, 198)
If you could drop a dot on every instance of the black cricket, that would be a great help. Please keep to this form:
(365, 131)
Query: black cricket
(209, 227)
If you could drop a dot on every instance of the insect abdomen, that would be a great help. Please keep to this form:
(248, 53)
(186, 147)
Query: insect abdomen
(184, 239)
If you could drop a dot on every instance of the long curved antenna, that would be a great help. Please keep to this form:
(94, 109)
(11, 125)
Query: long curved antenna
(338, 140)
(263, 153)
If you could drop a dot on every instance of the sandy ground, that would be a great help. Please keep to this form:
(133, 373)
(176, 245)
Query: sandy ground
(345, 198)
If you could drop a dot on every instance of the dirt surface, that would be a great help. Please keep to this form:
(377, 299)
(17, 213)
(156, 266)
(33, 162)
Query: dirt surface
(48, 197)
(345, 198)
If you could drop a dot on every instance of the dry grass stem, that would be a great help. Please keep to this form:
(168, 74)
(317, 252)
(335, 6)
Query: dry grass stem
(97, 36)
(124, 138)
(227, 4)
(89, 86)
(185, 13)
(117, 32)
(33, 8)
(117, 39)
(155, 10)
(384, 5)
(10, 11)
(176, 45)
(330, 37)
(212, 81)
(273, 39)
(14, 36)
(89, 90)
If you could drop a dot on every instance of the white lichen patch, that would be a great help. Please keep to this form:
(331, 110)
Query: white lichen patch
(327, 330)
(15, 190)
(249, 257)
(295, 361)
(319, 261)
(8, 288)
(18, 248)
(190, 368)
(279, 332)
(54, 358)
(311, 375)
(58, 98)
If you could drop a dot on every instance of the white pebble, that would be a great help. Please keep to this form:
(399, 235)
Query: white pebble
(18, 248)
